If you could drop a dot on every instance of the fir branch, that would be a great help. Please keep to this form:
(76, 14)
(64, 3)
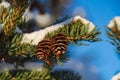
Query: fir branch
(38, 75)
(60, 61)
(13, 51)
(115, 29)
(3, 13)
(114, 35)
(22, 75)
(65, 75)
(77, 31)
(11, 17)
(19, 3)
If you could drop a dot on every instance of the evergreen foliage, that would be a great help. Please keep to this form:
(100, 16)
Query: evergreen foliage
(23, 75)
(68, 75)
(38, 75)
(114, 34)
(77, 31)
(13, 51)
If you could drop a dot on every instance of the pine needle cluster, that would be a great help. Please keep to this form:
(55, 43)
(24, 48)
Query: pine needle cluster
(114, 34)
(77, 31)
(14, 52)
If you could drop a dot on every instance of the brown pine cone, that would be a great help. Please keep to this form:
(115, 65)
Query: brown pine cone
(59, 45)
(43, 49)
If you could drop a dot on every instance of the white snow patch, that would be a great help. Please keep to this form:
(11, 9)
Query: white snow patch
(86, 22)
(111, 23)
(37, 36)
(27, 66)
(5, 4)
(33, 66)
(116, 77)
(6, 66)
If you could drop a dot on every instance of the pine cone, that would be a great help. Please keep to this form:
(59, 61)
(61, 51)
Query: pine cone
(59, 45)
(43, 49)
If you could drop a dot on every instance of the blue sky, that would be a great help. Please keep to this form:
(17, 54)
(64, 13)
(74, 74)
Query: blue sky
(100, 54)
(98, 61)
(99, 11)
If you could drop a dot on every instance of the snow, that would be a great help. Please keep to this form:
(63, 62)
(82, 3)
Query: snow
(116, 77)
(6, 66)
(5, 4)
(27, 66)
(33, 66)
(111, 23)
(37, 36)
(86, 22)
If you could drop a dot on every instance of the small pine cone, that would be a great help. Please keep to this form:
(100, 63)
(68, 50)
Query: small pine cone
(59, 45)
(43, 49)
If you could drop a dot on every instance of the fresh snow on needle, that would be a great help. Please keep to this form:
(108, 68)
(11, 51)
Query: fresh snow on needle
(117, 20)
(37, 36)
(116, 77)
(5, 4)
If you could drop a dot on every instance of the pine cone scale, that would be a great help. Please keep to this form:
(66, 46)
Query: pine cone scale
(59, 45)
(59, 38)
(41, 56)
(43, 49)
(44, 43)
